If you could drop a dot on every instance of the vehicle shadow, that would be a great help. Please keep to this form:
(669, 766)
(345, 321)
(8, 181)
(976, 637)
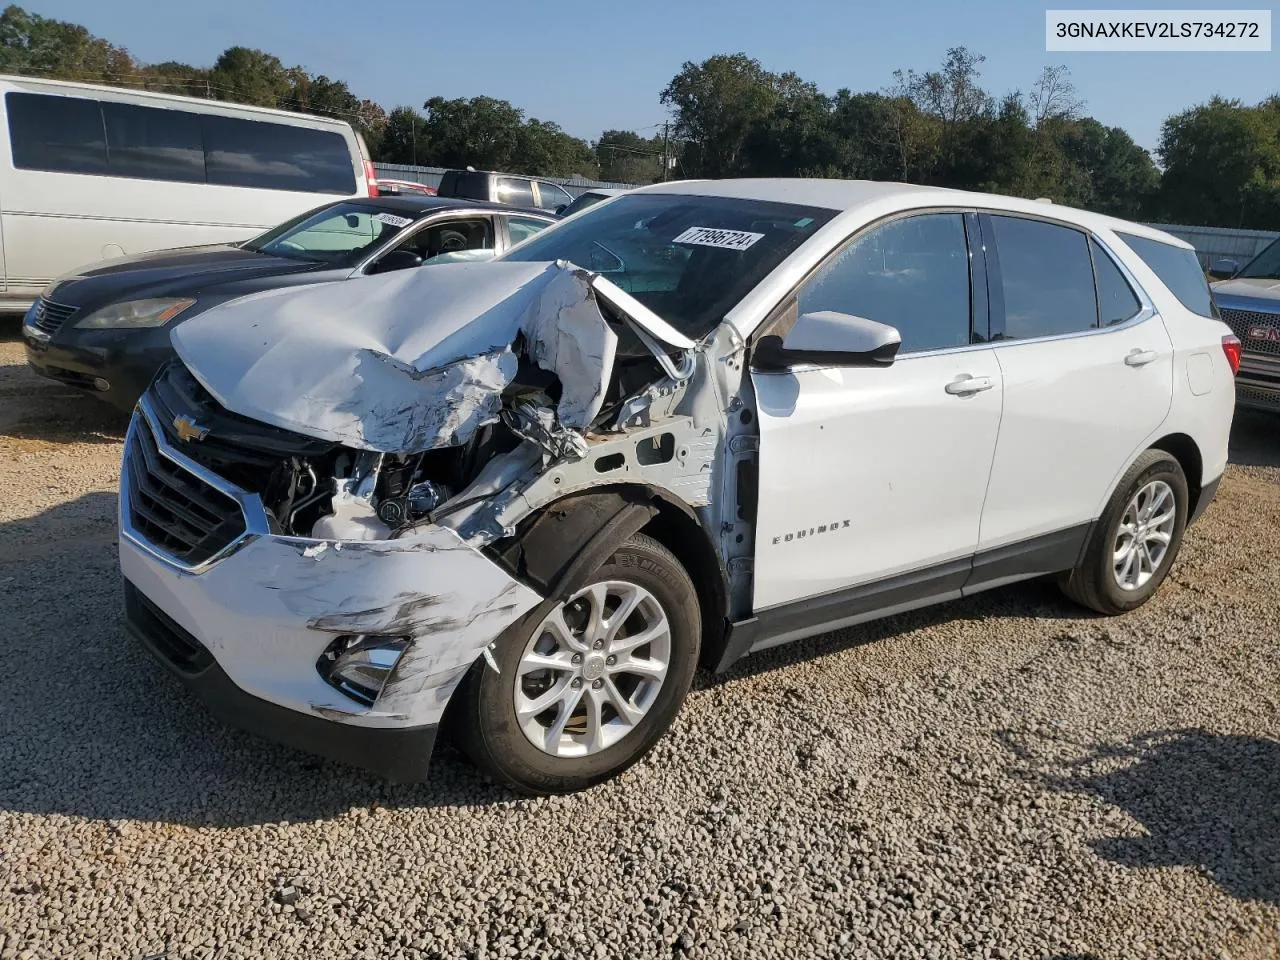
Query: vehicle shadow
(1033, 598)
(1205, 800)
(96, 728)
(1255, 439)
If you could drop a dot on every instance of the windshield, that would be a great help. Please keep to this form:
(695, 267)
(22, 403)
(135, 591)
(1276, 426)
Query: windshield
(584, 201)
(1265, 265)
(688, 259)
(340, 234)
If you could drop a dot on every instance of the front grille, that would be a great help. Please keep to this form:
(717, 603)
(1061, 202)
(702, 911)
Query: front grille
(49, 316)
(162, 633)
(243, 451)
(174, 510)
(1258, 398)
(1242, 321)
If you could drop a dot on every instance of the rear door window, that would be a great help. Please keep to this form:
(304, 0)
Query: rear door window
(551, 196)
(521, 228)
(912, 274)
(57, 134)
(153, 144)
(273, 156)
(517, 192)
(1178, 269)
(1046, 279)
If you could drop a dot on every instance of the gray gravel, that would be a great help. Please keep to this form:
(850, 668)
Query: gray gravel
(1001, 777)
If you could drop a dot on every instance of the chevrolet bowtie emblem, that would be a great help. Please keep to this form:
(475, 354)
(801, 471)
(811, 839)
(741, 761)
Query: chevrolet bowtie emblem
(187, 429)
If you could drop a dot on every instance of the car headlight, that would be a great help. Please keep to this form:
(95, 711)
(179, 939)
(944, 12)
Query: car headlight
(136, 313)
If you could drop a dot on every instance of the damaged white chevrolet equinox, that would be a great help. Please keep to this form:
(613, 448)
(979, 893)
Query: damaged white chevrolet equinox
(698, 420)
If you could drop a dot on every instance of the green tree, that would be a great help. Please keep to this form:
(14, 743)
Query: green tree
(57, 49)
(1222, 165)
(255, 77)
(404, 137)
(717, 105)
(624, 156)
(481, 132)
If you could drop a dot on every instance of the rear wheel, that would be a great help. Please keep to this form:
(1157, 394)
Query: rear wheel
(1136, 539)
(588, 683)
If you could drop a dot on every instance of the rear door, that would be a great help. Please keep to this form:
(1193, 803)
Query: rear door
(1088, 374)
(516, 191)
(871, 472)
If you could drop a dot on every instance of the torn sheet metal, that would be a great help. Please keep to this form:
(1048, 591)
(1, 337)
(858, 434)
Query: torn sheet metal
(406, 361)
(538, 424)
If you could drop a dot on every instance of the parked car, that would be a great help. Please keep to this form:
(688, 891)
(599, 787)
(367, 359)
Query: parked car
(590, 198)
(517, 493)
(89, 172)
(1249, 300)
(105, 328)
(504, 188)
(397, 188)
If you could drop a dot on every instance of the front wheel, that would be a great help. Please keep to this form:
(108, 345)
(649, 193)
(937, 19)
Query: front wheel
(588, 683)
(1136, 539)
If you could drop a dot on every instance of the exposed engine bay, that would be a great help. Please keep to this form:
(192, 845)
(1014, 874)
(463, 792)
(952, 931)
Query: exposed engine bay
(554, 369)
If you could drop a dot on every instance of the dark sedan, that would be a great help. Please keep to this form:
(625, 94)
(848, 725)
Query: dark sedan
(106, 328)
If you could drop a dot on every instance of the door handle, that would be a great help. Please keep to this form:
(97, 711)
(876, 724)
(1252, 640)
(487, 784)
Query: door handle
(966, 386)
(1139, 358)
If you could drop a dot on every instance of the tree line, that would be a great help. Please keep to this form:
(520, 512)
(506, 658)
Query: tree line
(1219, 161)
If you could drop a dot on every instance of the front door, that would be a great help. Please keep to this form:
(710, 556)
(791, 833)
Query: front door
(868, 472)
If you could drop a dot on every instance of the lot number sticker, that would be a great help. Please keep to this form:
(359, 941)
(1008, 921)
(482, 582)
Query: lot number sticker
(392, 220)
(713, 237)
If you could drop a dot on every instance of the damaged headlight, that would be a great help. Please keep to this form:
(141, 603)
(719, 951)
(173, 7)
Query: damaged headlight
(155, 312)
(360, 666)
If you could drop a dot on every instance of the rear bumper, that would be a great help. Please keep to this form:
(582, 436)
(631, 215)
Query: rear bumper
(400, 754)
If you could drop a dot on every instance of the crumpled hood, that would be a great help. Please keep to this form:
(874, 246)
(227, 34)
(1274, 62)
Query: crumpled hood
(407, 361)
(1262, 287)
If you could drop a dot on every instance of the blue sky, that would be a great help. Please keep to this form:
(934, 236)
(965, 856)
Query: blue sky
(569, 62)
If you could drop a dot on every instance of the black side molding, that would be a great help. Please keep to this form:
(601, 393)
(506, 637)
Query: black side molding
(1039, 556)
(1207, 492)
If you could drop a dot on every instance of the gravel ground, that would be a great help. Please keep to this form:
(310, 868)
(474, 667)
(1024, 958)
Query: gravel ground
(998, 777)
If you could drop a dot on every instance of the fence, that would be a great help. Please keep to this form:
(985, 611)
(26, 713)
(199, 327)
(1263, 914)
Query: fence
(431, 177)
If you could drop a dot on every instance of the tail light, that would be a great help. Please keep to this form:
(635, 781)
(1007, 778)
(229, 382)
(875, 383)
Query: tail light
(371, 176)
(1231, 347)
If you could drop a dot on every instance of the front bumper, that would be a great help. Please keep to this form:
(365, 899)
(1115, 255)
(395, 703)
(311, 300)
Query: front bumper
(1258, 383)
(115, 365)
(401, 755)
(260, 613)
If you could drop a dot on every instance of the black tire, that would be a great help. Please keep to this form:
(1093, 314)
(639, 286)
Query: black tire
(1093, 582)
(487, 727)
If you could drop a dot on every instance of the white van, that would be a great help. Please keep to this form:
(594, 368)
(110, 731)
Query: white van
(91, 172)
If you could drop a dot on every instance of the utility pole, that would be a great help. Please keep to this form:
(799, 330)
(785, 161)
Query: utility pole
(666, 160)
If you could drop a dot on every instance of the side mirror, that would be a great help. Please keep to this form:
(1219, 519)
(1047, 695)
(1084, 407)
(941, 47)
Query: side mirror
(352, 220)
(397, 260)
(830, 339)
(560, 209)
(1224, 269)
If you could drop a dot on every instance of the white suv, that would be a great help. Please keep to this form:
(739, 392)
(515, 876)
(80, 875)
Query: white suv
(691, 423)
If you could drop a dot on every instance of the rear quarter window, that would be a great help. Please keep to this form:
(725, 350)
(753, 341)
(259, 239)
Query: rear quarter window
(1178, 269)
